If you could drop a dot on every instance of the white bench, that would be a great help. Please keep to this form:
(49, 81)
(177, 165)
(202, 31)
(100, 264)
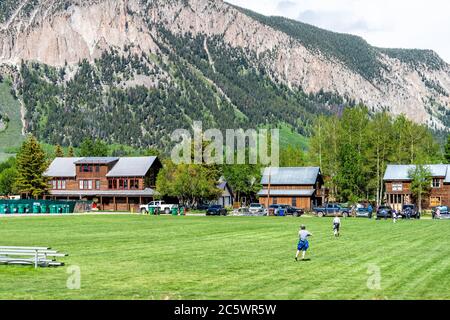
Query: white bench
(37, 256)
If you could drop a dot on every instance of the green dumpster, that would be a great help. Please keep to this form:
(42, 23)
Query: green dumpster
(20, 208)
(2, 208)
(174, 211)
(52, 208)
(66, 208)
(151, 210)
(181, 211)
(26, 208)
(36, 207)
(44, 208)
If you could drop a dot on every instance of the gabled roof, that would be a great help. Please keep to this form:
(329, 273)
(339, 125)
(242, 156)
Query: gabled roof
(287, 192)
(123, 167)
(401, 172)
(97, 160)
(131, 167)
(223, 184)
(291, 176)
(62, 167)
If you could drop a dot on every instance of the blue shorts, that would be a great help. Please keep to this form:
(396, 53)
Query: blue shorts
(303, 245)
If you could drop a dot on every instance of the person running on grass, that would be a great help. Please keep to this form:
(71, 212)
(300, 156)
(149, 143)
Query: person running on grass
(336, 225)
(303, 243)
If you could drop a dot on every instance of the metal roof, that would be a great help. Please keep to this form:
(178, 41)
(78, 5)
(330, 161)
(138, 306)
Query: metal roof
(118, 193)
(96, 160)
(291, 176)
(287, 192)
(62, 167)
(131, 167)
(124, 167)
(401, 172)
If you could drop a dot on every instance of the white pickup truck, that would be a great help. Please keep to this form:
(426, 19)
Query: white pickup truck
(161, 205)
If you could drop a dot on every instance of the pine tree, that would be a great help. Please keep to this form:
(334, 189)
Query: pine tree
(71, 152)
(59, 153)
(31, 165)
(447, 149)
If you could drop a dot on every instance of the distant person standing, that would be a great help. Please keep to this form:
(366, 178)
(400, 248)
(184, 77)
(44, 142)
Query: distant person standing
(303, 243)
(437, 215)
(394, 215)
(336, 225)
(370, 210)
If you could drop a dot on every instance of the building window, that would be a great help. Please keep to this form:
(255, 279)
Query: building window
(436, 183)
(294, 201)
(275, 200)
(435, 201)
(134, 184)
(396, 198)
(397, 187)
(97, 168)
(58, 184)
(86, 184)
(97, 184)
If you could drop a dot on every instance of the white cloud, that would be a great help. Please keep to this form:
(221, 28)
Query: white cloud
(423, 24)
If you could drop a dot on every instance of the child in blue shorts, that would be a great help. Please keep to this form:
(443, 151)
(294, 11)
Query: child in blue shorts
(303, 243)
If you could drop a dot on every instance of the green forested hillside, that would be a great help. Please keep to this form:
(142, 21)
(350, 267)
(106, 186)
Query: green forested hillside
(11, 136)
(99, 101)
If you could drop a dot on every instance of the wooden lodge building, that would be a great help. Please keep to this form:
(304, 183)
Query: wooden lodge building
(398, 186)
(117, 184)
(300, 187)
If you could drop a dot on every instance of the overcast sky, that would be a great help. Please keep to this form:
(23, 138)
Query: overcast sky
(423, 24)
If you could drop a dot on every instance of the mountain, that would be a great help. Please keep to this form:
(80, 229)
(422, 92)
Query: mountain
(131, 71)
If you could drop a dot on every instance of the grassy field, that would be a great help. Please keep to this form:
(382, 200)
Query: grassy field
(12, 136)
(164, 257)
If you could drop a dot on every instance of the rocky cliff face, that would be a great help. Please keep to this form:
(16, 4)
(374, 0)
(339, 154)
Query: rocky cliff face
(62, 33)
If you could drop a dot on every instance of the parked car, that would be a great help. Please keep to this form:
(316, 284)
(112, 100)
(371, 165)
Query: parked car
(257, 208)
(242, 211)
(161, 206)
(363, 213)
(444, 213)
(216, 210)
(296, 212)
(287, 210)
(331, 209)
(384, 212)
(409, 211)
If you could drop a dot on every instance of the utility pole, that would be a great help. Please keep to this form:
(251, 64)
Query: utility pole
(268, 191)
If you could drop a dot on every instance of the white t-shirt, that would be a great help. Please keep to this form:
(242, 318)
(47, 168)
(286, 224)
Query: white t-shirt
(303, 234)
(336, 220)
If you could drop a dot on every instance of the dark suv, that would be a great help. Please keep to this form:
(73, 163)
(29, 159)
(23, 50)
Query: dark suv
(288, 210)
(409, 211)
(384, 212)
(216, 210)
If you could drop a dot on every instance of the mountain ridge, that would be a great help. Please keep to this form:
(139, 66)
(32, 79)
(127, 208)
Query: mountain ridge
(283, 54)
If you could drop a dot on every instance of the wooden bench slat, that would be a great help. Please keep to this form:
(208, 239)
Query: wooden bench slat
(25, 248)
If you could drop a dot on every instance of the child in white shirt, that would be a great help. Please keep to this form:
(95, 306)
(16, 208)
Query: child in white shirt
(336, 225)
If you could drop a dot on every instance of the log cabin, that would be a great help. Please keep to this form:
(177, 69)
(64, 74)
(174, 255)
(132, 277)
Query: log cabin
(300, 187)
(112, 183)
(398, 186)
